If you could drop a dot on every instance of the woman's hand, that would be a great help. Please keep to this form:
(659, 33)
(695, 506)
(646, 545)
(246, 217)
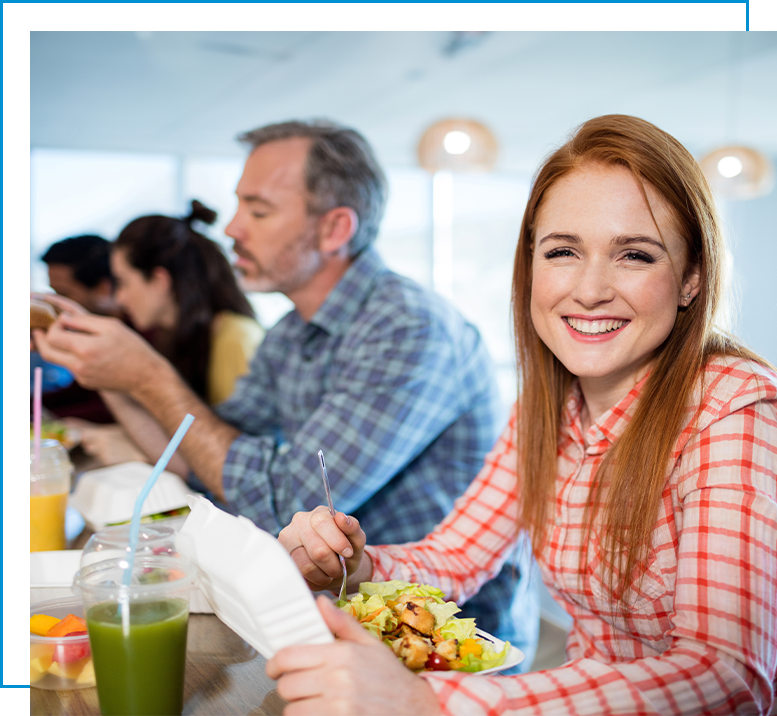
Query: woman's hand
(356, 675)
(315, 539)
(109, 444)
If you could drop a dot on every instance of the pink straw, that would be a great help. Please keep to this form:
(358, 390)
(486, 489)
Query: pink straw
(36, 411)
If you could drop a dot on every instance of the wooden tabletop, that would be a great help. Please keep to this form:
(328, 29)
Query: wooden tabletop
(224, 677)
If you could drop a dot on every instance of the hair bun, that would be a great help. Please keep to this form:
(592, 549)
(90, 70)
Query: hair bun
(201, 213)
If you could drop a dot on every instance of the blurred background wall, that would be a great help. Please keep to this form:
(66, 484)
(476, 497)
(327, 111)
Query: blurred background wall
(131, 123)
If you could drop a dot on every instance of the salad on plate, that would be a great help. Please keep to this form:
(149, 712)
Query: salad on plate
(57, 430)
(416, 622)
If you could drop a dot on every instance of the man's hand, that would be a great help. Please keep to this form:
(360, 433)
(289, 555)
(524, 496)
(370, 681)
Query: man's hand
(102, 353)
(62, 304)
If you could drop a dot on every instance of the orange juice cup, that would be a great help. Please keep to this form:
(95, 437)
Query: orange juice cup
(49, 489)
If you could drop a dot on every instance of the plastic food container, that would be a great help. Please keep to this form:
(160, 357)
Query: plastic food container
(60, 662)
(154, 538)
(112, 543)
(107, 496)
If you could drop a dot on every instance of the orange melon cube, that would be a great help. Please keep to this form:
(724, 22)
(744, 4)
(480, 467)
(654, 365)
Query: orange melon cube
(41, 623)
(69, 624)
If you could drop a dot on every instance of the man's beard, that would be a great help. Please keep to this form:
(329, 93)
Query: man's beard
(289, 272)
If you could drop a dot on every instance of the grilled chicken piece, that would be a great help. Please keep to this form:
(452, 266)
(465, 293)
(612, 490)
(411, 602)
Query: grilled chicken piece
(413, 650)
(448, 650)
(416, 616)
(403, 600)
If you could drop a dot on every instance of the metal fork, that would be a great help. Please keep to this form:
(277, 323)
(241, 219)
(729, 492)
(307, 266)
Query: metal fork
(332, 510)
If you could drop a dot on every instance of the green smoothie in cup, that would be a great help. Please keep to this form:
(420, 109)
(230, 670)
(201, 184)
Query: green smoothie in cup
(142, 673)
(137, 621)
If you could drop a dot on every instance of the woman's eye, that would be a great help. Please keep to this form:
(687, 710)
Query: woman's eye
(558, 253)
(257, 215)
(639, 256)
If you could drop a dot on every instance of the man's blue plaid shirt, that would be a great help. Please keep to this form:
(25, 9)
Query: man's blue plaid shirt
(396, 388)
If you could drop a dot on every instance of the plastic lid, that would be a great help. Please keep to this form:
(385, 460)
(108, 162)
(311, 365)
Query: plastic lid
(53, 465)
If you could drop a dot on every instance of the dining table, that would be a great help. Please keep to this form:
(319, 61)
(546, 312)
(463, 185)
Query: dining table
(224, 676)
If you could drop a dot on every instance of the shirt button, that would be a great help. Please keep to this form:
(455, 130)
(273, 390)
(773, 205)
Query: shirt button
(558, 522)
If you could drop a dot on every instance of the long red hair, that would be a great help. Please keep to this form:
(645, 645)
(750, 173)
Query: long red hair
(635, 468)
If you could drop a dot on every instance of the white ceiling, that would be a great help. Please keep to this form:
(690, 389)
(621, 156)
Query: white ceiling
(191, 93)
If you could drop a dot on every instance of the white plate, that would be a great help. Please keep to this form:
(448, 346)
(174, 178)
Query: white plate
(513, 658)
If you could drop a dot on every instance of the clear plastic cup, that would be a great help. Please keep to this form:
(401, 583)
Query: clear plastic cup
(49, 490)
(137, 632)
(113, 543)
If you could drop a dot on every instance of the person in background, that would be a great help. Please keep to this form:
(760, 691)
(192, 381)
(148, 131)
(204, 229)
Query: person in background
(384, 376)
(78, 269)
(177, 284)
(178, 289)
(641, 457)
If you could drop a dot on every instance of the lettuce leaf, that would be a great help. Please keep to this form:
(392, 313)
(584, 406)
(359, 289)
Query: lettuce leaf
(387, 590)
(396, 587)
(442, 612)
(460, 629)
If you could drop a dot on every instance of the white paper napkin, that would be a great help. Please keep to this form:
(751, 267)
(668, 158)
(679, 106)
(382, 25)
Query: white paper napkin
(249, 580)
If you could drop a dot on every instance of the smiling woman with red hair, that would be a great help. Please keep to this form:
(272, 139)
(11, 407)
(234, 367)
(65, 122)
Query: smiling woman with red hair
(641, 457)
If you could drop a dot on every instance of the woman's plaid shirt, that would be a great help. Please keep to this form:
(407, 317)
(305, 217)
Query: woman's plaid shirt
(701, 637)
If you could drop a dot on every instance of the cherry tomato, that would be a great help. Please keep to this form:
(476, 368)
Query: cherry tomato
(436, 663)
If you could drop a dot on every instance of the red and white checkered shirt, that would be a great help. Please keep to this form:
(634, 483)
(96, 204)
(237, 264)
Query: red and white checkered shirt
(701, 637)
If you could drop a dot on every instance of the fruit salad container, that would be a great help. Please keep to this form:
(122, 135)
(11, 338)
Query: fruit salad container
(60, 657)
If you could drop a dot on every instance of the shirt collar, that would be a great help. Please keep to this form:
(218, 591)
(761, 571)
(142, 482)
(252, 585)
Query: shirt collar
(610, 425)
(345, 300)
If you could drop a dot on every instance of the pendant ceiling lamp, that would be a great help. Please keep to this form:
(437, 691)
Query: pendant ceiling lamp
(735, 170)
(457, 145)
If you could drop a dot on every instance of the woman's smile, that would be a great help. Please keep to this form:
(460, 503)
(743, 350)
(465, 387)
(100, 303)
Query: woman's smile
(607, 276)
(600, 327)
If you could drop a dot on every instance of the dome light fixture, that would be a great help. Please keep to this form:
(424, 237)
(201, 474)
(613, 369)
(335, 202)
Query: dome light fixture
(456, 142)
(738, 172)
(457, 145)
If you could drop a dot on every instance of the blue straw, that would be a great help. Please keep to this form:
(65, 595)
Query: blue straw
(152, 478)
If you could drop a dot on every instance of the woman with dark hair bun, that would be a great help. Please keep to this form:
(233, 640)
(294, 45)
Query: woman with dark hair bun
(179, 291)
(177, 284)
